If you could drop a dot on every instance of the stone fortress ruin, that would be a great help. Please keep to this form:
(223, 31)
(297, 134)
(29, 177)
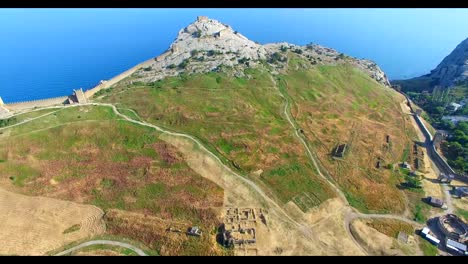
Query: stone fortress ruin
(453, 227)
(240, 228)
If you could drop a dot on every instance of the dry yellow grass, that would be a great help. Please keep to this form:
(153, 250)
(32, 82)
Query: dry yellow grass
(323, 231)
(379, 244)
(36, 225)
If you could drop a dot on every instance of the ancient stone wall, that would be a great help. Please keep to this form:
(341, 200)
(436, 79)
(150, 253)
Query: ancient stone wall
(36, 103)
(104, 85)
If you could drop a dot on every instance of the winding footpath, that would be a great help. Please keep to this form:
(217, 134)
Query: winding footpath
(351, 214)
(102, 242)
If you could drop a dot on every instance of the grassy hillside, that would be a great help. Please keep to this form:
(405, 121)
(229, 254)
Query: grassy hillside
(242, 119)
(339, 104)
(86, 154)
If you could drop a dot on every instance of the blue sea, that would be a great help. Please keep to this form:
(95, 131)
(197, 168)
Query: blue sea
(48, 52)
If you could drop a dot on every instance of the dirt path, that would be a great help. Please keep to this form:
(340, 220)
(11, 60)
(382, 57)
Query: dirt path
(29, 120)
(102, 242)
(289, 224)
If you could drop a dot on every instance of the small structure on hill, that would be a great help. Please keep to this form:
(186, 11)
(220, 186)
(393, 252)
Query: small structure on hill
(78, 97)
(339, 151)
(240, 227)
(194, 231)
(403, 237)
(436, 202)
(429, 236)
(461, 191)
(202, 18)
(456, 247)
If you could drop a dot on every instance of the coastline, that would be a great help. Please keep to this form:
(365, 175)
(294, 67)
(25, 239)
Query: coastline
(103, 84)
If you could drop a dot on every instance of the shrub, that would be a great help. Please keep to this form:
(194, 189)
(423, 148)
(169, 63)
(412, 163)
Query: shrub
(172, 66)
(183, 64)
(283, 48)
(276, 57)
(298, 51)
(213, 53)
(194, 53)
(243, 60)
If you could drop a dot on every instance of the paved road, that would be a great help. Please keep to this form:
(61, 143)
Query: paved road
(102, 242)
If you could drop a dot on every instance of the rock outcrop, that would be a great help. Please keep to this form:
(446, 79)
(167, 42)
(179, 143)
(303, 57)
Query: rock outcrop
(453, 68)
(209, 45)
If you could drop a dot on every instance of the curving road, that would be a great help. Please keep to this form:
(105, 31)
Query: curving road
(102, 242)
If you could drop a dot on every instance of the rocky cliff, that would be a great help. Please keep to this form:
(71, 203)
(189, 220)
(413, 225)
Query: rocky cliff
(453, 68)
(451, 71)
(209, 45)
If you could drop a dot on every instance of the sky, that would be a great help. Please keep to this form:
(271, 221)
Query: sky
(404, 42)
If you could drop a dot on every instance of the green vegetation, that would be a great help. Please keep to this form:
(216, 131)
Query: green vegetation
(194, 53)
(72, 229)
(391, 227)
(456, 147)
(427, 248)
(8, 122)
(276, 57)
(111, 163)
(244, 120)
(322, 93)
(437, 105)
(419, 215)
(463, 213)
(96, 248)
(298, 51)
(135, 243)
(241, 123)
(183, 64)
(102, 92)
(18, 173)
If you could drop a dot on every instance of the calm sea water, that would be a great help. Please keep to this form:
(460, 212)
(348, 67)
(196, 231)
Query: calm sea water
(48, 52)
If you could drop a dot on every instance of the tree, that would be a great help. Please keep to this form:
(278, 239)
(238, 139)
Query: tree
(413, 182)
(455, 149)
(298, 51)
(183, 64)
(194, 52)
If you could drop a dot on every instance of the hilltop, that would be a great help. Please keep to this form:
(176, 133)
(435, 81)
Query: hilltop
(209, 45)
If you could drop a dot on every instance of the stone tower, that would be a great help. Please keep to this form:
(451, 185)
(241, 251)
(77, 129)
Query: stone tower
(202, 18)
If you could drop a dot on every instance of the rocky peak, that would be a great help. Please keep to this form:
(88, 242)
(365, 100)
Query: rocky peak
(207, 44)
(453, 68)
(211, 35)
